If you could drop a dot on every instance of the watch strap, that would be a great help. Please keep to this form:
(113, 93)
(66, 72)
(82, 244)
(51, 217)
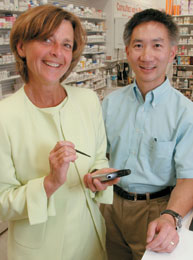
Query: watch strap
(175, 215)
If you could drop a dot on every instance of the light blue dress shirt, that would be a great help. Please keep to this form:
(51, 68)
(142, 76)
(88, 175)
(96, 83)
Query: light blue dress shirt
(152, 137)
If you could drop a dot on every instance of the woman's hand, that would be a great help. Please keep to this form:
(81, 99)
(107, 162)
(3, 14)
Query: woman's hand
(59, 159)
(95, 184)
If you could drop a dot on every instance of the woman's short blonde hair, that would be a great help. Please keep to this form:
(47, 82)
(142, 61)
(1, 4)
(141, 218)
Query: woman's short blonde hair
(39, 23)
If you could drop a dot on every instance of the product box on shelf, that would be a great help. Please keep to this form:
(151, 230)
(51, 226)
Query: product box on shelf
(1, 4)
(191, 60)
(191, 84)
(179, 7)
(176, 7)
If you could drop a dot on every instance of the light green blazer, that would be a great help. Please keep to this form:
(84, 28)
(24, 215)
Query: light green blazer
(69, 225)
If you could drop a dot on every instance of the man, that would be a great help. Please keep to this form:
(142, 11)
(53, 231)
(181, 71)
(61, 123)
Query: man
(149, 128)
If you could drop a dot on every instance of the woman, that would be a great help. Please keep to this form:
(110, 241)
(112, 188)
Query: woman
(43, 182)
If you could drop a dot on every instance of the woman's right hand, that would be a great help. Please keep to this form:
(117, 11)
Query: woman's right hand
(59, 159)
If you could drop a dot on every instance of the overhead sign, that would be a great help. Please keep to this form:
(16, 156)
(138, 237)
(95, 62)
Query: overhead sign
(127, 8)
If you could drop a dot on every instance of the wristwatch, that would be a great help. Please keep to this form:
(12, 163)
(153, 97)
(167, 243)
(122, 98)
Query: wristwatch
(175, 215)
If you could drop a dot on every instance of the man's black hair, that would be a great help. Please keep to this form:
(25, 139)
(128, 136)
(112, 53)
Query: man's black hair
(149, 15)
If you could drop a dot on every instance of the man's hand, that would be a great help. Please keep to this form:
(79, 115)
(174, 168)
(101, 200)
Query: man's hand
(95, 184)
(162, 235)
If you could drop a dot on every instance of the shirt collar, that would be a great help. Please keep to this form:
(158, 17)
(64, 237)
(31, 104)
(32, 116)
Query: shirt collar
(154, 96)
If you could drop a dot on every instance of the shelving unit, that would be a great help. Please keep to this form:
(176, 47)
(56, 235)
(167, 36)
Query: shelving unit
(9, 79)
(3, 11)
(90, 72)
(183, 66)
(91, 67)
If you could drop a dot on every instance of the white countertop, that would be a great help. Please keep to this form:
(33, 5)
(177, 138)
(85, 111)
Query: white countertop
(183, 251)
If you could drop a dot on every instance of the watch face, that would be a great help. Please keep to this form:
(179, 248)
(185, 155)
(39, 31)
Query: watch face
(179, 221)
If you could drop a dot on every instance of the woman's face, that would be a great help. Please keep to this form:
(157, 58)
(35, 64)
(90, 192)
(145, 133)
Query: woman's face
(49, 59)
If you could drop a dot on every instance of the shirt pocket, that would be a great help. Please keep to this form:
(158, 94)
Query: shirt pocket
(30, 236)
(161, 156)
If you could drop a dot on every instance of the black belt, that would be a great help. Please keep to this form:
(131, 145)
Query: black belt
(136, 196)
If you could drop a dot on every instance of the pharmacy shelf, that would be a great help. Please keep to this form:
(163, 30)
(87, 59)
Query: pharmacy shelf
(95, 42)
(184, 35)
(8, 63)
(96, 80)
(181, 44)
(100, 87)
(181, 77)
(184, 89)
(10, 78)
(2, 11)
(96, 52)
(5, 29)
(90, 68)
(116, 60)
(184, 55)
(97, 28)
(99, 31)
(7, 84)
(78, 80)
(183, 15)
(4, 45)
(183, 65)
(95, 19)
(185, 24)
(93, 78)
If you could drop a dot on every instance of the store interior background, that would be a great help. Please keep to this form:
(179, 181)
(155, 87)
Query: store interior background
(114, 72)
(117, 13)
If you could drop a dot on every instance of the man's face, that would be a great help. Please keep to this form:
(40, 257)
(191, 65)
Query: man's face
(149, 52)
